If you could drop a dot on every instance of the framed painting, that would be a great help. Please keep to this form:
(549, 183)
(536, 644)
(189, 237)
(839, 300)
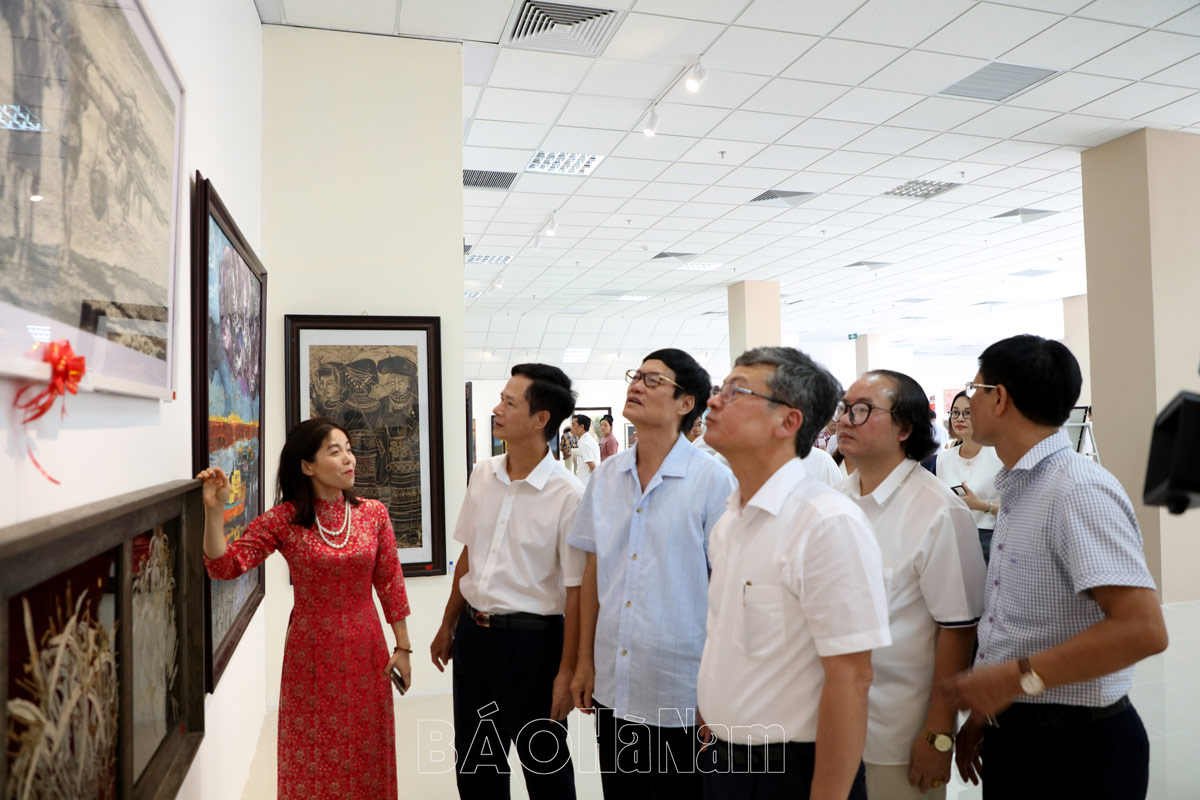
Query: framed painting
(498, 445)
(102, 638)
(229, 305)
(91, 127)
(470, 430)
(380, 378)
(630, 435)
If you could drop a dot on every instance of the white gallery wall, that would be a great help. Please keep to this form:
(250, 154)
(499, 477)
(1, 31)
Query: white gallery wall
(108, 445)
(362, 214)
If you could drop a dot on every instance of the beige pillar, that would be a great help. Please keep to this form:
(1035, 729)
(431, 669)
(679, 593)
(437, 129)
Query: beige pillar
(754, 316)
(1075, 337)
(869, 352)
(1141, 203)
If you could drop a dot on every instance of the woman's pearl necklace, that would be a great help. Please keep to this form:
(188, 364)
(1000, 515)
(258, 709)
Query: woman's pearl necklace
(327, 535)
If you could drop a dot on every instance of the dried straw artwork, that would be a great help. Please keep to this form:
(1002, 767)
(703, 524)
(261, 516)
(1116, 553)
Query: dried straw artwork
(65, 737)
(155, 650)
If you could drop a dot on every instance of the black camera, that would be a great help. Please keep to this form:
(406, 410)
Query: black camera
(1173, 474)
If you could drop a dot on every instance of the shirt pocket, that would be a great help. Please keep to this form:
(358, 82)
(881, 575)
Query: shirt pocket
(763, 618)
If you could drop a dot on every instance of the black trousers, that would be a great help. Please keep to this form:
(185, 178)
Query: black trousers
(503, 681)
(1053, 751)
(639, 761)
(737, 777)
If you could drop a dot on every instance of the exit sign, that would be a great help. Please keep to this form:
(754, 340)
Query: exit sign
(852, 336)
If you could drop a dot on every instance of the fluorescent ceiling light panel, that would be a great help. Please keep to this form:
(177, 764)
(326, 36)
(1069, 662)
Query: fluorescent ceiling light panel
(775, 197)
(471, 295)
(20, 118)
(998, 82)
(555, 163)
(921, 190)
(576, 355)
(1024, 215)
(481, 258)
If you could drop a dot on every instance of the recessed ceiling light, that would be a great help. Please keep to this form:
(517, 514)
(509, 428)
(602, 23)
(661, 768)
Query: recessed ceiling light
(558, 163)
(921, 190)
(697, 266)
(471, 295)
(1024, 215)
(998, 81)
(20, 118)
(482, 258)
(576, 355)
(634, 298)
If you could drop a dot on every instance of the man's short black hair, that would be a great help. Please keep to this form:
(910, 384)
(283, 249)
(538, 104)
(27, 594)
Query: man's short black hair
(584, 421)
(1041, 376)
(692, 379)
(549, 391)
(910, 410)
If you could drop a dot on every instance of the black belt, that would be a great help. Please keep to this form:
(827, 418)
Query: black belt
(762, 756)
(520, 621)
(1056, 715)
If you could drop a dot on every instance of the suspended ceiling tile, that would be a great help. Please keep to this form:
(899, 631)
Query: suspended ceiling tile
(637, 79)
(520, 106)
(756, 51)
(363, 16)
(529, 69)
(612, 113)
(843, 62)
(1005, 121)
(1185, 112)
(923, 73)
(486, 133)
(753, 126)
(1010, 152)
(797, 98)
(1187, 22)
(868, 105)
(664, 148)
(678, 119)
(952, 146)
(449, 19)
(581, 140)
(817, 17)
(824, 133)
(1069, 43)
(1185, 73)
(666, 40)
(987, 30)
(1144, 55)
(1146, 13)
(1135, 100)
(671, 191)
(630, 168)
(889, 140)
(721, 90)
(903, 23)
(496, 158)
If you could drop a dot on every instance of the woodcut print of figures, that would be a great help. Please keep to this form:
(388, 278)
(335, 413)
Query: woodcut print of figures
(88, 127)
(372, 393)
(234, 397)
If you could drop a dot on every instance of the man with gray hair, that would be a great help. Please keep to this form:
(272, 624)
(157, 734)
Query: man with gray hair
(796, 600)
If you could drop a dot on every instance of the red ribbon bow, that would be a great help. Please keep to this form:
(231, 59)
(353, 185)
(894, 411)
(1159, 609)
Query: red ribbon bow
(66, 370)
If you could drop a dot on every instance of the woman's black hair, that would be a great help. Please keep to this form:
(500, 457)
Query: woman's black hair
(910, 410)
(692, 379)
(292, 485)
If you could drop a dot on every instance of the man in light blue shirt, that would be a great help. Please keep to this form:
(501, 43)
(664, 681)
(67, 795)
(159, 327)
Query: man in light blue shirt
(645, 520)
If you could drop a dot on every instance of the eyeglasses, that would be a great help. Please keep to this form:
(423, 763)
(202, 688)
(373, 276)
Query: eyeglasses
(857, 413)
(730, 391)
(972, 386)
(955, 414)
(650, 379)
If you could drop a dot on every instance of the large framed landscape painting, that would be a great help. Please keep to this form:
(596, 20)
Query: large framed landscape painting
(380, 379)
(229, 304)
(91, 114)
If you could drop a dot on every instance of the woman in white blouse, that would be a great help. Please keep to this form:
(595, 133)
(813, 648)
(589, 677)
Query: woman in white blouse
(970, 469)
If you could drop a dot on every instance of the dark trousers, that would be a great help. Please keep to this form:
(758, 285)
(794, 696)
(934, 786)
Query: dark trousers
(1053, 751)
(503, 681)
(741, 774)
(985, 542)
(639, 761)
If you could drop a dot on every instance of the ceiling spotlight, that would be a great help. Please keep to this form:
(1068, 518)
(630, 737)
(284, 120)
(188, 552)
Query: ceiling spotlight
(551, 226)
(652, 120)
(696, 77)
(36, 198)
(537, 244)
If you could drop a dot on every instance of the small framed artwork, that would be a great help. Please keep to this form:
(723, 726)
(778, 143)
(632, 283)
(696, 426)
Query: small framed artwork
(229, 305)
(498, 445)
(380, 378)
(630, 435)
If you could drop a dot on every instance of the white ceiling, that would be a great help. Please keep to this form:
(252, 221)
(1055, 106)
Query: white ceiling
(838, 98)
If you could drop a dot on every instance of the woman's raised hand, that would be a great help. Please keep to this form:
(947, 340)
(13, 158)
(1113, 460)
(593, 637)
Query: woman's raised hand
(216, 487)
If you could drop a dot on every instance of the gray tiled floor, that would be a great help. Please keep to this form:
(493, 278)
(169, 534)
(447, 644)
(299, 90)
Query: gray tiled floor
(1166, 693)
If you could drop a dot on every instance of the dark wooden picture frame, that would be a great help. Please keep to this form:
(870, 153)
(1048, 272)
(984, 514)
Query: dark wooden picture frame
(46, 549)
(231, 604)
(381, 378)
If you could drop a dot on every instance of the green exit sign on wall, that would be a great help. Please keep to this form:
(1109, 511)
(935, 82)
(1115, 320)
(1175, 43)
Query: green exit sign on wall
(852, 336)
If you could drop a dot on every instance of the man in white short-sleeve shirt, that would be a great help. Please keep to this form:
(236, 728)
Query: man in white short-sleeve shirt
(588, 452)
(514, 654)
(934, 572)
(796, 598)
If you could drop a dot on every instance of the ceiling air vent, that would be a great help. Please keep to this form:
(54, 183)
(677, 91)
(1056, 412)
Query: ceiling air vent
(866, 265)
(1024, 214)
(998, 81)
(921, 190)
(774, 197)
(558, 28)
(685, 257)
(486, 179)
(466, 247)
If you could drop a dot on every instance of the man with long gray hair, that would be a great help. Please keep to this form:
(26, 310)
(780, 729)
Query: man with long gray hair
(796, 601)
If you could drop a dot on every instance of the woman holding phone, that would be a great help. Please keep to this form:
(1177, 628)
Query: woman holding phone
(336, 727)
(970, 469)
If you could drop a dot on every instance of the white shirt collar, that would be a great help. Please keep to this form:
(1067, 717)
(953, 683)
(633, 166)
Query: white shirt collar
(537, 478)
(771, 496)
(884, 491)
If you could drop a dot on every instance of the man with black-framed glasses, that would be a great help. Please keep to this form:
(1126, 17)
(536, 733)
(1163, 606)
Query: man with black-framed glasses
(644, 522)
(797, 600)
(934, 571)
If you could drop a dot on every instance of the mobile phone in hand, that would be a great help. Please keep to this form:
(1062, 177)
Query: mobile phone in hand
(959, 490)
(398, 681)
